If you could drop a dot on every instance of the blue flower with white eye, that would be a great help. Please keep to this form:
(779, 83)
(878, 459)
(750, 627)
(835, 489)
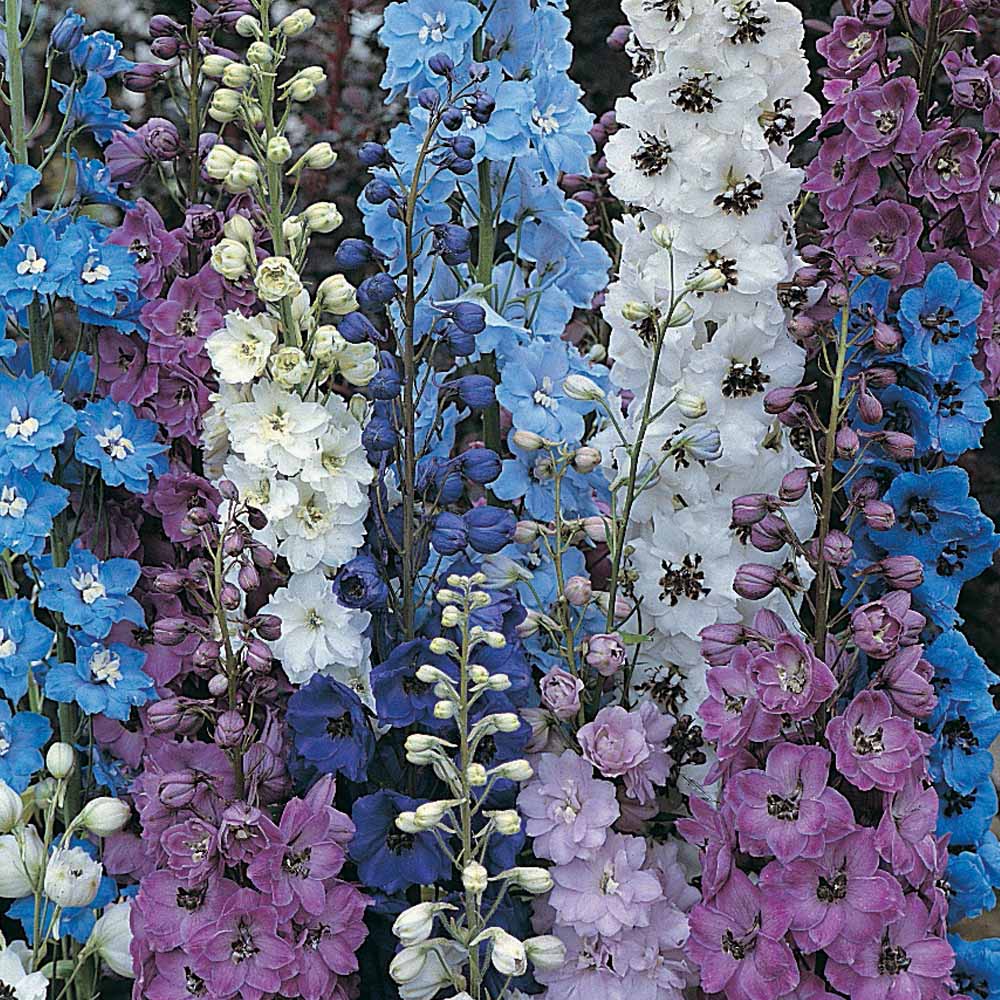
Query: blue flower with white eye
(33, 422)
(100, 53)
(92, 595)
(416, 31)
(559, 124)
(94, 184)
(120, 444)
(102, 272)
(28, 504)
(104, 680)
(938, 321)
(33, 263)
(24, 641)
(17, 181)
(89, 107)
(22, 735)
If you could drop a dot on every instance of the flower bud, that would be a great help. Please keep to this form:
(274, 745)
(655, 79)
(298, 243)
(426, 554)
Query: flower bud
(680, 315)
(794, 485)
(407, 822)
(247, 26)
(752, 508)
(578, 591)
(260, 54)
(279, 150)
(230, 259)
(443, 710)
(11, 808)
(586, 459)
(506, 821)
(72, 877)
(709, 280)
(417, 923)
(111, 938)
(301, 90)
(476, 775)
(690, 404)
(229, 730)
(219, 161)
(546, 952)
(663, 235)
(528, 440)
(22, 858)
(879, 516)
(60, 760)
(237, 75)
(837, 548)
(582, 388)
(869, 407)
(513, 770)
(900, 572)
(214, 65)
(507, 954)
(104, 816)
(320, 156)
(243, 175)
(224, 105)
(277, 279)
(475, 878)
(297, 23)
(847, 442)
(533, 880)
(636, 312)
(336, 295)
(322, 217)
(755, 581)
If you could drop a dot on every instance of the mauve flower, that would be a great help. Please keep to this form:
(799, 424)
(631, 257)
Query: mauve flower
(192, 850)
(607, 892)
(713, 832)
(181, 399)
(142, 231)
(733, 712)
(882, 118)
(973, 85)
(180, 324)
(560, 693)
(791, 680)
(737, 944)
(173, 497)
(244, 832)
(788, 809)
(889, 231)
(567, 811)
(169, 913)
(123, 369)
(606, 653)
(202, 225)
(947, 166)
(241, 950)
(874, 749)
(629, 745)
(981, 208)
(905, 833)
(908, 959)
(906, 679)
(128, 158)
(841, 183)
(851, 47)
(837, 900)
(882, 626)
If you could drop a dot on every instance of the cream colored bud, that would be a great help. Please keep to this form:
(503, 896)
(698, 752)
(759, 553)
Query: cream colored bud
(506, 821)
(586, 459)
(293, 229)
(260, 54)
(11, 808)
(243, 175)
(478, 674)
(279, 150)
(248, 26)
(475, 878)
(582, 388)
(277, 279)
(506, 722)
(451, 616)
(495, 640)
(514, 770)
(230, 259)
(239, 227)
(416, 924)
(237, 75)
(709, 280)
(320, 156)
(429, 814)
(60, 760)
(214, 65)
(442, 646)
(314, 74)
(546, 952)
(507, 955)
(680, 315)
(533, 880)
(407, 822)
(225, 105)
(422, 742)
(443, 709)
(219, 161)
(104, 816)
(499, 682)
(476, 775)
(336, 295)
(635, 312)
(322, 217)
(427, 673)
(22, 858)
(690, 404)
(290, 367)
(301, 90)
(297, 23)
(663, 235)
(528, 440)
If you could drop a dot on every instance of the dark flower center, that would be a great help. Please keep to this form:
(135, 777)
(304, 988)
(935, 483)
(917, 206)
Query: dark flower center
(892, 960)
(187, 323)
(919, 515)
(242, 947)
(340, 728)
(958, 734)
(683, 579)
(7, 992)
(141, 251)
(653, 155)
(648, 329)
(886, 121)
(715, 260)
(740, 947)
(867, 744)
(744, 379)
(741, 197)
(193, 983)
(750, 24)
(787, 810)
(297, 863)
(832, 890)
(191, 899)
(952, 559)
(671, 9)
(955, 803)
(941, 324)
(695, 94)
(398, 842)
(778, 124)
(948, 401)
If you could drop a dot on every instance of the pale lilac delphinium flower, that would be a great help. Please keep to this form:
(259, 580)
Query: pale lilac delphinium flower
(905, 833)
(907, 959)
(906, 680)
(608, 891)
(560, 692)
(874, 749)
(837, 901)
(713, 832)
(737, 943)
(629, 745)
(881, 627)
(788, 810)
(567, 811)
(791, 679)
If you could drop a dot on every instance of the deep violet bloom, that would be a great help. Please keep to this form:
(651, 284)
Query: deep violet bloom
(948, 166)
(737, 943)
(874, 749)
(841, 183)
(889, 231)
(788, 810)
(908, 959)
(882, 119)
(241, 952)
(791, 679)
(851, 47)
(567, 811)
(836, 901)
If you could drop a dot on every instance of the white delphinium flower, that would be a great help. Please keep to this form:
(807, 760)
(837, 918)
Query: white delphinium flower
(273, 496)
(318, 634)
(339, 467)
(111, 938)
(15, 979)
(22, 857)
(239, 351)
(72, 877)
(317, 532)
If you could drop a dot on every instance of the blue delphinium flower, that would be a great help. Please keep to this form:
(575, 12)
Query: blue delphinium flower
(971, 892)
(100, 53)
(104, 680)
(17, 181)
(401, 698)
(938, 321)
(120, 444)
(330, 728)
(102, 271)
(94, 184)
(90, 594)
(24, 641)
(977, 967)
(28, 504)
(32, 263)
(387, 858)
(89, 107)
(931, 505)
(33, 421)
(559, 124)
(958, 413)
(22, 735)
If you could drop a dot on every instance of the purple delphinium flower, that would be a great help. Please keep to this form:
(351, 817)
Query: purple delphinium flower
(788, 810)
(180, 324)
(608, 891)
(836, 901)
(713, 832)
(737, 943)
(732, 712)
(889, 231)
(874, 749)
(192, 850)
(567, 811)
(142, 231)
(791, 679)
(906, 679)
(842, 183)
(169, 912)
(241, 952)
(851, 47)
(880, 627)
(948, 166)
(905, 833)
(908, 959)
(245, 831)
(629, 745)
(882, 118)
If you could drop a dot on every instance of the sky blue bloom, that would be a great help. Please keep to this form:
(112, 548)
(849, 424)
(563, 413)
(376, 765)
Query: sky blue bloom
(33, 263)
(559, 124)
(90, 594)
(120, 444)
(971, 892)
(528, 476)
(527, 39)
(94, 185)
(28, 503)
(505, 136)
(938, 321)
(417, 30)
(102, 272)
(33, 421)
(977, 967)
(966, 817)
(531, 387)
(100, 53)
(959, 412)
(90, 107)
(930, 504)
(17, 181)
(23, 641)
(22, 735)
(104, 680)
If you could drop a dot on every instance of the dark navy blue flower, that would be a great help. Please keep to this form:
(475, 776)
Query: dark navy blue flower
(17, 181)
(938, 321)
(450, 534)
(330, 728)
(22, 736)
(481, 465)
(24, 641)
(490, 528)
(120, 444)
(90, 594)
(387, 858)
(28, 504)
(359, 584)
(33, 422)
(104, 680)
(401, 698)
(357, 328)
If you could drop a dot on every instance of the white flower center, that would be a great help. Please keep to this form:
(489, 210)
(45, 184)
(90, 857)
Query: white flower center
(543, 395)
(32, 263)
(23, 427)
(90, 586)
(105, 668)
(7, 645)
(314, 620)
(545, 121)
(609, 886)
(95, 272)
(275, 426)
(114, 442)
(434, 28)
(12, 505)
